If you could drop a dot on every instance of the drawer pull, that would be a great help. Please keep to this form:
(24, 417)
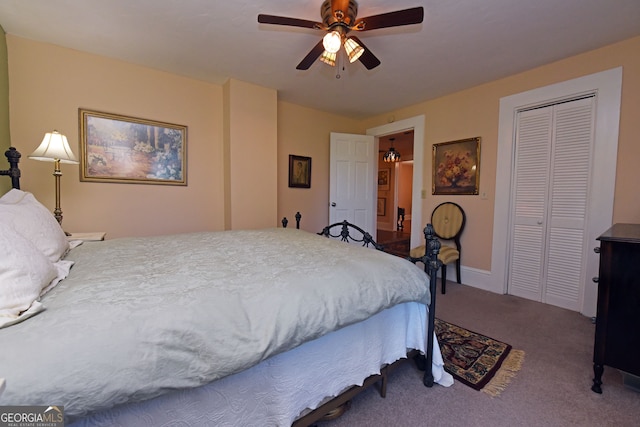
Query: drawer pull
(595, 279)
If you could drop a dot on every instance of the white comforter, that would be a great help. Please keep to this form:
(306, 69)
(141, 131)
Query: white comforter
(139, 316)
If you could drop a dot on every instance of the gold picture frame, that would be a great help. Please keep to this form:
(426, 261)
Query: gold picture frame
(382, 206)
(384, 178)
(121, 149)
(456, 167)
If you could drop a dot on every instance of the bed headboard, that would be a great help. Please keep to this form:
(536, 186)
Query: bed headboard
(13, 156)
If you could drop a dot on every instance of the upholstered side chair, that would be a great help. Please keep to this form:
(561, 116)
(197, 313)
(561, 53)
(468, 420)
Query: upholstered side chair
(448, 220)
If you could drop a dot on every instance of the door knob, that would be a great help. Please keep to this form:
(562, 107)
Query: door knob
(333, 204)
(539, 222)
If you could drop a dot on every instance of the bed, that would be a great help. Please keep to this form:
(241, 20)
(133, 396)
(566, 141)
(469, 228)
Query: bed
(246, 327)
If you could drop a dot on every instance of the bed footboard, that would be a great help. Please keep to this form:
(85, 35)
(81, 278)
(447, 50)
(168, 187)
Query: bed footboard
(346, 235)
(342, 230)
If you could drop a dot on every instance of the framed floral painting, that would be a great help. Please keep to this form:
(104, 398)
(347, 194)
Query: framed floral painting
(456, 167)
(124, 149)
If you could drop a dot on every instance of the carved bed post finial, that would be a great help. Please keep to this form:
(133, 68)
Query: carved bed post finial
(429, 232)
(298, 216)
(13, 156)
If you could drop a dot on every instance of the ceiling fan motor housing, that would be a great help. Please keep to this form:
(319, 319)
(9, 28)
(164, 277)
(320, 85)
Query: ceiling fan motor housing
(345, 12)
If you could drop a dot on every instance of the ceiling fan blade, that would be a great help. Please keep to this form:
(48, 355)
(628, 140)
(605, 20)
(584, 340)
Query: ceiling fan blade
(311, 56)
(392, 19)
(368, 59)
(292, 22)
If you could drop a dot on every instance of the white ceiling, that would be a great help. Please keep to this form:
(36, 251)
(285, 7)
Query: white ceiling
(460, 44)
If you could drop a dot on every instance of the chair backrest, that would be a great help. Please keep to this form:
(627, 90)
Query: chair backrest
(448, 220)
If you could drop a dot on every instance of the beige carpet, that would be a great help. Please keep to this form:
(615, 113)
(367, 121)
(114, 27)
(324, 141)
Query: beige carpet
(553, 388)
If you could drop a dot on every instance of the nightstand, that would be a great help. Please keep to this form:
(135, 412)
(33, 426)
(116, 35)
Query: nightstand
(87, 237)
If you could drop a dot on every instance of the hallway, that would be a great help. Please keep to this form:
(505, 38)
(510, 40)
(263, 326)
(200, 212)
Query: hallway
(396, 242)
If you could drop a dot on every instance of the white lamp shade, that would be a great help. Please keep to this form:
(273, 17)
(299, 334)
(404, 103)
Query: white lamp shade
(328, 58)
(354, 50)
(332, 42)
(54, 146)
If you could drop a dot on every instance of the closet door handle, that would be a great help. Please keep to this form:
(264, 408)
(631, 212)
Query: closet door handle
(596, 249)
(596, 279)
(333, 204)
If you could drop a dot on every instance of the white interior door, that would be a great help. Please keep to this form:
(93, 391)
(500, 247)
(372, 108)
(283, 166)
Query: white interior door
(352, 175)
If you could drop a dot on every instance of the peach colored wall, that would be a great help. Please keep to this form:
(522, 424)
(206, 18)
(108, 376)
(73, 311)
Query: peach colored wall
(74, 79)
(47, 86)
(5, 184)
(474, 112)
(405, 190)
(305, 132)
(252, 138)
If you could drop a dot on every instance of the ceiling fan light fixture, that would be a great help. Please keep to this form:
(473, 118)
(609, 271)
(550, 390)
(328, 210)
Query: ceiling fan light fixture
(354, 50)
(332, 42)
(329, 58)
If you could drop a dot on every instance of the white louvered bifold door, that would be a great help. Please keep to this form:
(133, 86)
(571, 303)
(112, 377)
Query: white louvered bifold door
(554, 148)
(533, 154)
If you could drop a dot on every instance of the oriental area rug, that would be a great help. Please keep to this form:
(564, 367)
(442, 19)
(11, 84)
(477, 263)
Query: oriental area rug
(476, 360)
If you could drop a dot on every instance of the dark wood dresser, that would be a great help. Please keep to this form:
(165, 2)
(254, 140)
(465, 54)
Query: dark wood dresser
(617, 339)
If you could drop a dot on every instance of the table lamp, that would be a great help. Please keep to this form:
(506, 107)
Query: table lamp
(55, 148)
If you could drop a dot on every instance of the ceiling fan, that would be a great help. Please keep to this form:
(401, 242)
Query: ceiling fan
(338, 19)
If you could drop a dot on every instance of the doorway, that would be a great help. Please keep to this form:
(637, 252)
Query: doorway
(416, 124)
(394, 195)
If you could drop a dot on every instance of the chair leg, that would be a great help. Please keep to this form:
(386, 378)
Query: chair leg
(443, 284)
(458, 270)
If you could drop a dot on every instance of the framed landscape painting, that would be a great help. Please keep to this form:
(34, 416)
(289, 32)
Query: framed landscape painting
(456, 167)
(116, 148)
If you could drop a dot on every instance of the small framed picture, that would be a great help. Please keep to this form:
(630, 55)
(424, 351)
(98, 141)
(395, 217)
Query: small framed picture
(383, 179)
(299, 171)
(382, 206)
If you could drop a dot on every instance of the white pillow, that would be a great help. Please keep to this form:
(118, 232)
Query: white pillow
(35, 222)
(24, 272)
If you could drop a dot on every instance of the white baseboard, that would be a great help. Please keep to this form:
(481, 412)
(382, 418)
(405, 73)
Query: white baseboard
(474, 277)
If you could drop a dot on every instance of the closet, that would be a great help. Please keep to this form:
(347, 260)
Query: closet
(553, 158)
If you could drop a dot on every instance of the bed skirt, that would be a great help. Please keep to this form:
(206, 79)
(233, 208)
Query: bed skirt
(276, 391)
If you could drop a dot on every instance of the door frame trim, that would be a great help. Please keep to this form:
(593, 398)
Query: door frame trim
(607, 85)
(417, 124)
